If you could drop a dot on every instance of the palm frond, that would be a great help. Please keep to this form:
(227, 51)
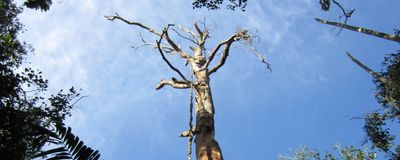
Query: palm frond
(71, 146)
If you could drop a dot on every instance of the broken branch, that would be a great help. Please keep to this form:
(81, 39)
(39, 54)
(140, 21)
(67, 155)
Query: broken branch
(370, 71)
(391, 37)
(174, 83)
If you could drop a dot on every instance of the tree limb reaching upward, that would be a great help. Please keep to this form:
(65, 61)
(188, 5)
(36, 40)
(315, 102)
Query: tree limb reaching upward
(391, 37)
(151, 30)
(225, 55)
(214, 52)
(370, 71)
(112, 18)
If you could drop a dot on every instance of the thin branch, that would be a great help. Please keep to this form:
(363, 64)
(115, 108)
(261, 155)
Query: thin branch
(80, 98)
(174, 83)
(112, 18)
(346, 15)
(187, 38)
(164, 58)
(370, 71)
(353, 118)
(163, 47)
(142, 45)
(391, 37)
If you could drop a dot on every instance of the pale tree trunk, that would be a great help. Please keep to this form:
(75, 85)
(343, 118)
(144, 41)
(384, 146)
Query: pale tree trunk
(391, 37)
(207, 147)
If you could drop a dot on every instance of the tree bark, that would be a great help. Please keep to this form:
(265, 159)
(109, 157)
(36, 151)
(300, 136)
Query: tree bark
(207, 148)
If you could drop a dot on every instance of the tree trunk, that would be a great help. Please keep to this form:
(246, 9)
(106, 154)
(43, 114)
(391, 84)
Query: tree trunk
(207, 147)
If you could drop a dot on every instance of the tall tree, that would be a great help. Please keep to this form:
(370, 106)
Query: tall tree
(207, 147)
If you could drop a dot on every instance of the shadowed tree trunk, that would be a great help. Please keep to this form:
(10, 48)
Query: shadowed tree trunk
(207, 147)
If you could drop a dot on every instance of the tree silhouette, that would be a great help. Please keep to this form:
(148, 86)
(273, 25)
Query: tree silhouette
(25, 111)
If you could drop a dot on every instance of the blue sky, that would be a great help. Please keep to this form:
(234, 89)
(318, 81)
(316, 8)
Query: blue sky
(307, 99)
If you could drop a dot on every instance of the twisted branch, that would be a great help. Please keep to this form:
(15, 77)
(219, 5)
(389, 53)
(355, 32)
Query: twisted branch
(163, 56)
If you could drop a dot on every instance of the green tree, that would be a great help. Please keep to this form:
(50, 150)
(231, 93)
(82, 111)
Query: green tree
(341, 153)
(27, 117)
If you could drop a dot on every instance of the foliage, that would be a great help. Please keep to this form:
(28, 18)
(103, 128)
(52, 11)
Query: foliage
(72, 147)
(325, 4)
(388, 95)
(342, 153)
(215, 4)
(43, 5)
(24, 108)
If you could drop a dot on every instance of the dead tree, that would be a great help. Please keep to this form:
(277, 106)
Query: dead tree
(207, 147)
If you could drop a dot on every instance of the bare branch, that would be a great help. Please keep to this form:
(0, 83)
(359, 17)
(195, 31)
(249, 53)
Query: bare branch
(198, 29)
(353, 118)
(203, 35)
(184, 29)
(391, 37)
(240, 35)
(174, 46)
(112, 18)
(174, 83)
(80, 98)
(260, 57)
(223, 58)
(165, 59)
(370, 71)
(214, 52)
